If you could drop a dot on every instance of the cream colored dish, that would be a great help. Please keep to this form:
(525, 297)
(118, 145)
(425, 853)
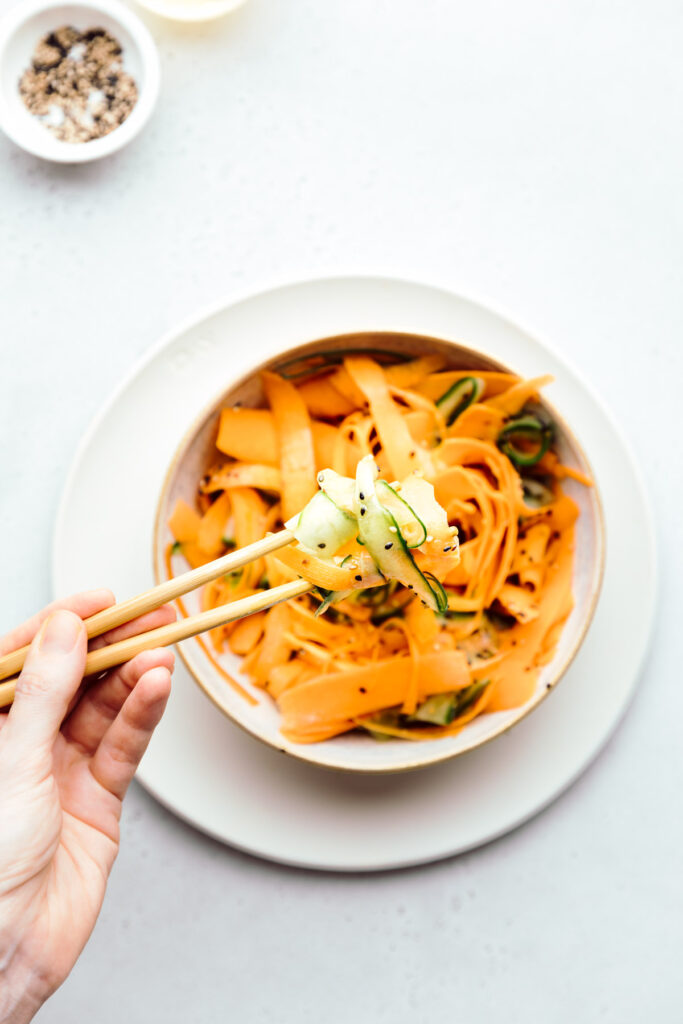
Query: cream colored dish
(354, 751)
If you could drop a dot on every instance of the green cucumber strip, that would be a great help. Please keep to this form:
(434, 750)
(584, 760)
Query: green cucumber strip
(330, 597)
(444, 708)
(323, 527)
(439, 592)
(467, 697)
(339, 489)
(413, 530)
(372, 596)
(393, 604)
(379, 737)
(530, 428)
(536, 493)
(460, 396)
(391, 718)
(382, 537)
(176, 547)
(418, 493)
(437, 710)
(440, 709)
(450, 616)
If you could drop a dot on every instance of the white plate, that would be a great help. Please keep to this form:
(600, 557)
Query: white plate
(228, 784)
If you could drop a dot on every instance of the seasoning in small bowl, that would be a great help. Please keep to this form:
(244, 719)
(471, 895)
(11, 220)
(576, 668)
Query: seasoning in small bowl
(77, 80)
(76, 85)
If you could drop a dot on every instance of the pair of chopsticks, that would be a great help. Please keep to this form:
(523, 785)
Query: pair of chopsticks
(117, 653)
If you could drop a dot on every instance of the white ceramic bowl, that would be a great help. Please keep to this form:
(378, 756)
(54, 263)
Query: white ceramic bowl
(191, 10)
(20, 31)
(356, 752)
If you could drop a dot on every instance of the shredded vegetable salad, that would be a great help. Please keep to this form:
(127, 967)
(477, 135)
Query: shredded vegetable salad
(428, 511)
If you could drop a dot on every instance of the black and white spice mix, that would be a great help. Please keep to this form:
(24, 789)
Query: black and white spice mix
(76, 85)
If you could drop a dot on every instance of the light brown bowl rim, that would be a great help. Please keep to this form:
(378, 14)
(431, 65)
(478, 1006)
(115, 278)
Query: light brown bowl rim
(159, 567)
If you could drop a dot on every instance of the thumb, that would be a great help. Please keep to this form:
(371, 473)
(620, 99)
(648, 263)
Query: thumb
(51, 675)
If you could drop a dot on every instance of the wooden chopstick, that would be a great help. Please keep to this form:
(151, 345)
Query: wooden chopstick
(117, 614)
(163, 636)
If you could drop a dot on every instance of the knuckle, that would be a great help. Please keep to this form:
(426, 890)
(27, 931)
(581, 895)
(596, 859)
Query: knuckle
(31, 683)
(106, 705)
(122, 758)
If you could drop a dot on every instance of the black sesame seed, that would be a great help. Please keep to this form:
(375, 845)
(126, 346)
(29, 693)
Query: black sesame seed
(361, 496)
(363, 511)
(359, 579)
(322, 544)
(362, 689)
(389, 545)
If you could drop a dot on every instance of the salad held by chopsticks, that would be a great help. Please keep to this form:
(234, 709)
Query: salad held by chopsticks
(428, 512)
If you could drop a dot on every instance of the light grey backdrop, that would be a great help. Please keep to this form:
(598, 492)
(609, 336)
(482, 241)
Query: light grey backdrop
(529, 152)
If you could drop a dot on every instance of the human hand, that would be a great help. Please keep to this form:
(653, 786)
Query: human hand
(68, 752)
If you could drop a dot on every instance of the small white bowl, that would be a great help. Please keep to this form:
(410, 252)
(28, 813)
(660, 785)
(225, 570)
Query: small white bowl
(191, 10)
(20, 32)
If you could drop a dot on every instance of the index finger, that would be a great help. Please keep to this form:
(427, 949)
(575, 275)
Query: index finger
(84, 605)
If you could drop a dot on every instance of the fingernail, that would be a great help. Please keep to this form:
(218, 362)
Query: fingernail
(60, 633)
